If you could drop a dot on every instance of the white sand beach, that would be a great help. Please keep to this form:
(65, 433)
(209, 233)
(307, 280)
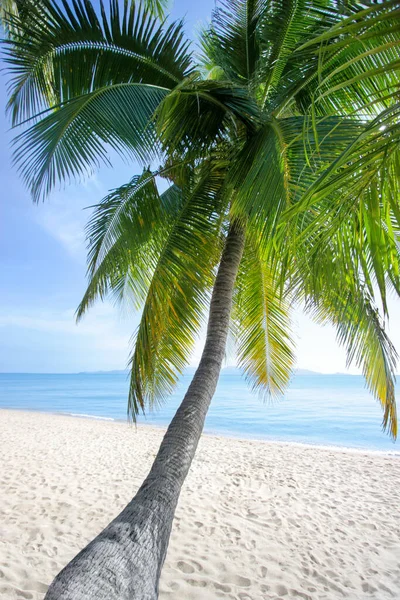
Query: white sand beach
(255, 520)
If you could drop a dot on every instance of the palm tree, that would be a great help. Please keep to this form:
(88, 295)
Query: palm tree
(280, 144)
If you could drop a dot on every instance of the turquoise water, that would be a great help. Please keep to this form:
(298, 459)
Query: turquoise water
(317, 409)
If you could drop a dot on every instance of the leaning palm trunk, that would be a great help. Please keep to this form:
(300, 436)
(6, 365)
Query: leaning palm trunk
(124, 561)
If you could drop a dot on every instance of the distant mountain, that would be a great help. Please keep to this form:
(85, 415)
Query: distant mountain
(306, 372)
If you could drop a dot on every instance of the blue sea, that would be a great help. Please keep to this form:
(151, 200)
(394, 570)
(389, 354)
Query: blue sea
(326, 410)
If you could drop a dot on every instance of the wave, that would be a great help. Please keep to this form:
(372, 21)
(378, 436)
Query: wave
(85, 416)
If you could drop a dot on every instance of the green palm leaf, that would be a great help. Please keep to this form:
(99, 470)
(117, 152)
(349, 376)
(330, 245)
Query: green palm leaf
(286, 24)
(231, 41)
(178, 294)
(74, 139)
(198, 115)
(132, 222)
(354, 197)
(261, 317)
(156, 7)
(70, 51)
(259, 179)
(367, 153)
(360, 330)
(335, 278)
(365, 64)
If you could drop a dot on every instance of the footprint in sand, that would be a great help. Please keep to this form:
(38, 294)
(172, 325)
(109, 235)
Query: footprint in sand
(264, 571)
(189, 568)
(281, 590)
(197, 582)
(185, 567)
(174, 586)
(241, 581)
(223, 587)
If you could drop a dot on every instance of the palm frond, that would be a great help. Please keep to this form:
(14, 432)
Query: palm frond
(9, 11)
(132, 222)
(365, 155)
(363, 55)
(336, 279)
(156, 7)
(361, 331)
(259, 179)
(68, 51)
(292, 126)
(198, 115)
(286, 25)
(312, 146)
(73, 140)
(178, 295)
(231, 43)
(354, 195)
(261, 322)
(345, 61)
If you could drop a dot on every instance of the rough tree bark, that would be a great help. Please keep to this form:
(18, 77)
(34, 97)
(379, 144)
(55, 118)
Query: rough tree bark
(124, 561)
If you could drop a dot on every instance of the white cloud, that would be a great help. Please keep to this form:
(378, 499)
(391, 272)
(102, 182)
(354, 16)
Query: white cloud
(102, 328)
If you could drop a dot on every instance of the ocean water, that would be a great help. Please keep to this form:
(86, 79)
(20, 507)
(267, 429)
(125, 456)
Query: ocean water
(327, 410)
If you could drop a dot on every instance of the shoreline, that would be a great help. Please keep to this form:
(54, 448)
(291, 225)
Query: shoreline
(395, 453)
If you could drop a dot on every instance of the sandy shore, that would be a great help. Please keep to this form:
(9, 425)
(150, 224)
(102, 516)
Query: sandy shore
(255, 520)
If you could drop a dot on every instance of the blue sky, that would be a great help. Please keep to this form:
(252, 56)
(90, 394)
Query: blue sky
(43, 265)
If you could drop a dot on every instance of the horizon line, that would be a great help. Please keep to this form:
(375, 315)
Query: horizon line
(303, 371)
